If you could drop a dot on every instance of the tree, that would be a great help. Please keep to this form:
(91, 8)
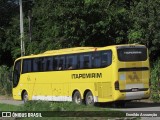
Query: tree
(8, 8)
(145, 30)
(73, 23)
(59, 24)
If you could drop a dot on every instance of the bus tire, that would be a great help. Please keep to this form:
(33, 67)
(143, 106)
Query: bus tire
(77, 98)
(89, 99)
(25, 97)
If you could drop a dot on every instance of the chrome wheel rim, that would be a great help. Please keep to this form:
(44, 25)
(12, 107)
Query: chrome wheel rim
(90, 99)
(78, 100)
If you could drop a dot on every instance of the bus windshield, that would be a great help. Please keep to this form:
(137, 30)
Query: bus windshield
(132, 53)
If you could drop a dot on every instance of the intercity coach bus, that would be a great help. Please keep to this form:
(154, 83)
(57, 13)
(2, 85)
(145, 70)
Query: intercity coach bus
(88, 74)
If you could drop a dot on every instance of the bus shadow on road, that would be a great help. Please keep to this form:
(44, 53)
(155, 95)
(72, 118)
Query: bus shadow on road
(133, 104)
(141, 104)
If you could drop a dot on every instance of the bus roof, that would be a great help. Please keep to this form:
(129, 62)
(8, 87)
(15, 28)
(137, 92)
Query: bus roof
(75, 50)
(68, 50)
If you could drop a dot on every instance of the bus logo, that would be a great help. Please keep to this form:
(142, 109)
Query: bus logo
(134, 76)
(86, 75)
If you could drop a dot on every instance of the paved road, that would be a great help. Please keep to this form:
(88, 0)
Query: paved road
(12, 102)
(9, 100)
(142, 107)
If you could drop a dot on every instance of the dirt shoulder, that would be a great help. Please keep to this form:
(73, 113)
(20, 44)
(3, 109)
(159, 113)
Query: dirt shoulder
(5, 97)
(9, 100)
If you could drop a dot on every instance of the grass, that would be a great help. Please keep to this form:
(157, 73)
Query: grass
(7, 107)
(58, 106)
(60, 109)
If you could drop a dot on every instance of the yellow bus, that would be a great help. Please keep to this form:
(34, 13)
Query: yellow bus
(89, 74)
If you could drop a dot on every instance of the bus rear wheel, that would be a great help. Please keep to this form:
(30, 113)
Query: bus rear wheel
(77, 98)
(25, 97)
(89, 99)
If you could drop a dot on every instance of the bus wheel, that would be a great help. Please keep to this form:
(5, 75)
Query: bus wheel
(25, 96)
(77, 98)
(89, 99)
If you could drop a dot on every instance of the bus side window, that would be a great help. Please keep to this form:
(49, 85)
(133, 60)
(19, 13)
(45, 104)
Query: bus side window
(35, 65)
(106, 58)
(86, 64)
(40, 64)
(47, 64)
(81, 61)
(71, 62)
(96, 60)
(78, 62)
(55, 63)
(44, 64)
(61, 65)
(87, 61)
(27, 65)
(74, 62)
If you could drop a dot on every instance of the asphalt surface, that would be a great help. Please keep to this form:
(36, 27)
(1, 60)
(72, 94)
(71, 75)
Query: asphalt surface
(142, 108)
(9, 100)
(12, 102)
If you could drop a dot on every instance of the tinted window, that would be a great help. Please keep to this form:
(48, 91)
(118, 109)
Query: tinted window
(132, 54)
(42, 64)
(48, 64)
(75, 61)
(106, 58)
(61, 63)
(96, 60)
(67, 62)
(71, 62)
(39, 65)
(78, 62)
(85, 60)
(27, 65)
(35, 65)
(55, 63)
(16, 73)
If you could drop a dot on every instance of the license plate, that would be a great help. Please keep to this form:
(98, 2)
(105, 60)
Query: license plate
(134, 89)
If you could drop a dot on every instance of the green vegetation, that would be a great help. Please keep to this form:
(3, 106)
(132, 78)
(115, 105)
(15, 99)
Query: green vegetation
(58, 108)
(7, 107)
(73, 23)
(5, 83)
(59, 24)
(155, 81)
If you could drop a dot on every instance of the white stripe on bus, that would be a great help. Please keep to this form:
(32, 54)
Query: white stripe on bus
(57, 98)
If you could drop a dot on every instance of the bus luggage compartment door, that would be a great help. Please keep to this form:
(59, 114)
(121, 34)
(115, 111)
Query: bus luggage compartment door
(133, 83)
